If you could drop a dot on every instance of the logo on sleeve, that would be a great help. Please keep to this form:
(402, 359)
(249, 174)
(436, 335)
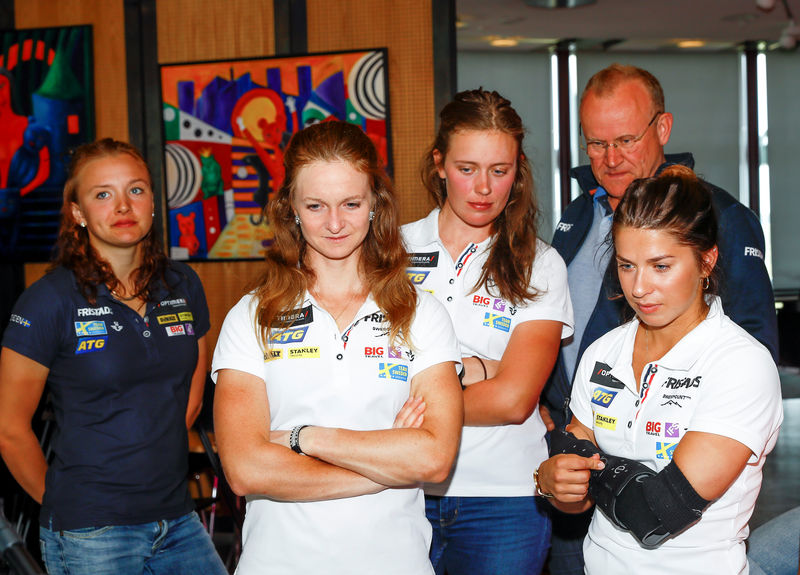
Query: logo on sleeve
(20, 320)
(665, 450)
(602, 374)
(424, 260)
(396, 371)
(169, 318)
(297, 317)
(90, 328)
(603, 397)
(417, 277)
(755, 252)
(173, 330)
(497, 321)
(289, 335)
(90, 344)
(563, 227)
(605, 421)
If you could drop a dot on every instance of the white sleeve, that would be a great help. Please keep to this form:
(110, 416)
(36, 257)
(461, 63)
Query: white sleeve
(742, 398)
(238, 346)
(549, 278)
(432, 334)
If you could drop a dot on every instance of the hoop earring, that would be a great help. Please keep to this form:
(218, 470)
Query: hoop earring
(371, 215)
(706, 283)
(297, 219)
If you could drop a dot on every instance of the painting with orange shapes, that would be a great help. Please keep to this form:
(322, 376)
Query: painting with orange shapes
(226, 125)
(46, 110)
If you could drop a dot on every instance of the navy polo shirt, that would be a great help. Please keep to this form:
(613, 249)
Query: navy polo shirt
(120, 386)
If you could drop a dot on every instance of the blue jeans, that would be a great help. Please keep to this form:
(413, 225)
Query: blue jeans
(174, 547)
(487, 535)
(773, 547)
(566, 550)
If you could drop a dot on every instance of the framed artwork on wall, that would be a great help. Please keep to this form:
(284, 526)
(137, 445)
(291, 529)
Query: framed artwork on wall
(226, 124)
(46, 110)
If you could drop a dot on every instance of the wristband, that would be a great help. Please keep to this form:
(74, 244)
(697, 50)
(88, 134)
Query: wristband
(294, 438)
(538, 490)
(483, 365)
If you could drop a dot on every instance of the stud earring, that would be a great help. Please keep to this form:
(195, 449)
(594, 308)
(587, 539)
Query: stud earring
(297, 219)
(83, 224)
(371, 215)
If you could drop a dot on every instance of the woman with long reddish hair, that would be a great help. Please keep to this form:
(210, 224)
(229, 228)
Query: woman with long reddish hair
(115, 332)
(324, 371)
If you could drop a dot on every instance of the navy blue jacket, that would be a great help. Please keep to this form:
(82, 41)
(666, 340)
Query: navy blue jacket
(746, 290)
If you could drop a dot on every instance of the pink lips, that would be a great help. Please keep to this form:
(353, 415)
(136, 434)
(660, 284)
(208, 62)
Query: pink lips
(124, 223)
(480, 205)
(647, 308)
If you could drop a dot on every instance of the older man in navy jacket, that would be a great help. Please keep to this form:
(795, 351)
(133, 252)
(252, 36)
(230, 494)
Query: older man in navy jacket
(626, 127)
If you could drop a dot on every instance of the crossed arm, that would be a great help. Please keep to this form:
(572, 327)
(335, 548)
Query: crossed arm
(341, 462)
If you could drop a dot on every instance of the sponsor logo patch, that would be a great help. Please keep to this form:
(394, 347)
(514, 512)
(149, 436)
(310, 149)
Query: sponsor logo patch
(169, 318)
(374, 317)
(498, 305)
(297, 317)
(20, 320)
(395, 353)
(664, 450)
(562, 227)
(90, 328)
(373, 352)
(273, 354)
(686, 382)
(300, 352)
(672, 430)
(173, 330)
(289, 335)
(603, 397)
(90, 344)
(481, 301)
(103, 310)
(497, 322)
(185, 316)
(189, 328)
(653, 428)
(396, 371)
(172, 302)
(116, 326)
(755, 252)
(424, 260)
(417, 277)
(605, 421)
(602, 374)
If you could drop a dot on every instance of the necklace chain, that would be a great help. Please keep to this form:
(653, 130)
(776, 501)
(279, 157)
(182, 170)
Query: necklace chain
(341, 311)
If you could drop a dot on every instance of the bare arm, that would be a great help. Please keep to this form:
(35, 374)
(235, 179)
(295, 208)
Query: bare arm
(254, 465)
(396, 457)
(512, 394)
(566, 476)
(710, 462)
(22, 382)
(198, 384)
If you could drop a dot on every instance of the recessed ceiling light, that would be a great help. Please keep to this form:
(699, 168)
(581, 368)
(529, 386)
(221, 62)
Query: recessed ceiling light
(690, 43)
(503, 42)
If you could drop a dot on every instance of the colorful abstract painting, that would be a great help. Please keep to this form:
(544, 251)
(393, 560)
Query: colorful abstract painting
(226, 125)
(46, 110)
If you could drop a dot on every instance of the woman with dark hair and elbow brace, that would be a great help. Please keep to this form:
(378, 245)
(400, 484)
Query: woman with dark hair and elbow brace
(674, 411)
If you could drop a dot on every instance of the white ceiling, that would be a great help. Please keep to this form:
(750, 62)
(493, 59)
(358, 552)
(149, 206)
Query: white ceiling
(639, 24)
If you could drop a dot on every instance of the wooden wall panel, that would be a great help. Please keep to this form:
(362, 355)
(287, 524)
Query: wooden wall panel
(196, 30)
(406, 29)
(108, 33)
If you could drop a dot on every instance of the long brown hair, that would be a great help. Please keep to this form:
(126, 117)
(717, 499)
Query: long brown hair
(512, 255)
(73, 249)
(283, 284)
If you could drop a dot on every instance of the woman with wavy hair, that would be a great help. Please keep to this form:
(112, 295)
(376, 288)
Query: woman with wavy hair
(506, 292)
(324, 371)
(115, 333)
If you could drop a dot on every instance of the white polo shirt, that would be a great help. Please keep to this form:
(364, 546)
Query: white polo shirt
(316, 375)
(717, 379)
(493, 461)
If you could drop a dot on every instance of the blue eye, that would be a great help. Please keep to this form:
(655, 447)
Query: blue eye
(102, 195)
(137, 190)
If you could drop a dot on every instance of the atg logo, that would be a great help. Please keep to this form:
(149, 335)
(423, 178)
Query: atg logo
(417, 277)
(603, 397)
(90, 344)
(396, 371)
(497, 322)
(289, 335)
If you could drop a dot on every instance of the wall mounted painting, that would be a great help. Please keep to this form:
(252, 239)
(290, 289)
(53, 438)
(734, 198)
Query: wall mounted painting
(226, 125)
(46, 110)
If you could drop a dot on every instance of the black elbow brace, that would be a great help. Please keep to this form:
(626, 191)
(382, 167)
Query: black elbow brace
(652, 506)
